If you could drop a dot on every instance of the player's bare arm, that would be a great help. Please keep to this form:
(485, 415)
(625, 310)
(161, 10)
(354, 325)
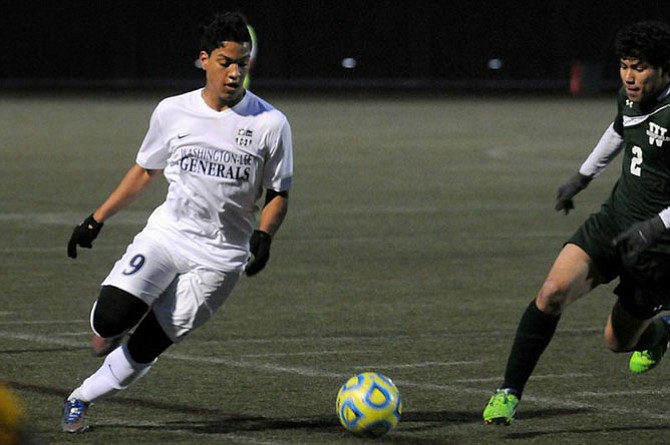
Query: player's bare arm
(274, 211)
(135, 181)
(131, 186)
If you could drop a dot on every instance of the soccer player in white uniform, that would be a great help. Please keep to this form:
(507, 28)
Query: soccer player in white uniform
(219, 148)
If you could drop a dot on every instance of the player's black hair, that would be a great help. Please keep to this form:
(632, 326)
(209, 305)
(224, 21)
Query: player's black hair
(647, 40)
(227, 26)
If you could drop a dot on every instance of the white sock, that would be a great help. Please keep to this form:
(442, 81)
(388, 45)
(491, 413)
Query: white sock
(117, 372)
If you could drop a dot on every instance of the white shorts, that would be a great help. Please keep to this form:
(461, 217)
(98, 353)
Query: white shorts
(183, 295)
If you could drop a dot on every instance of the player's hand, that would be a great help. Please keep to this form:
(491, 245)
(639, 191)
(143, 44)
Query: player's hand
(568, 190)
(259, 245)
(640, 236)
(83, 235)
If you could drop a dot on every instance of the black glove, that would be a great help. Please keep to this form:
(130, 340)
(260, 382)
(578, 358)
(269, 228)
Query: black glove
(259, 245)
(640, 236)
(568, 190)
(83, 235)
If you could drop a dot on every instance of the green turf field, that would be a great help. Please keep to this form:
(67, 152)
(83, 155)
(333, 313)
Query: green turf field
(419, 230)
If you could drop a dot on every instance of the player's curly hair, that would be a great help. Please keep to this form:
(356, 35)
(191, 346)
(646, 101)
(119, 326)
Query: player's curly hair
(227, 26)
(647, 40)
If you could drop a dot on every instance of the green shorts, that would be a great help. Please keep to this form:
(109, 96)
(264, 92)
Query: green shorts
(644, 282)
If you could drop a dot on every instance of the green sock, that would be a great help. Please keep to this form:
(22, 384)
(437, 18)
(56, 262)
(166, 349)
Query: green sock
(533, 334)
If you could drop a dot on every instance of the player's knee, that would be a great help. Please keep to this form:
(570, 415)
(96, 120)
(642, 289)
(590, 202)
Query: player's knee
(552, 298)
(116, 312)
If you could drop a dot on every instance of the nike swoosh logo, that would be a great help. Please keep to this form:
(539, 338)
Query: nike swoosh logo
(182, 135)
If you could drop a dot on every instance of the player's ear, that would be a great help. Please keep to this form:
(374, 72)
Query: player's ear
(204, 59)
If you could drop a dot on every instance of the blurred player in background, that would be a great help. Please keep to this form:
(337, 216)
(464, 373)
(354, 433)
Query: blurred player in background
(252, 56)
(628, 238)
(219, 148)
(12, 418)
(14, 427)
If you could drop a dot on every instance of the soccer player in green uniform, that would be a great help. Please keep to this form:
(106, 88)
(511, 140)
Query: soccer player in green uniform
(628, 238)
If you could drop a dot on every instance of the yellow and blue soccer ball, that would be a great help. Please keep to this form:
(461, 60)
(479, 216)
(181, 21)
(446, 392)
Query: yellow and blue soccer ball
(369, 404)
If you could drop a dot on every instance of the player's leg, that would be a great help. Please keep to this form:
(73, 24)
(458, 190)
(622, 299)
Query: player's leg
(127, 364)
(188, 302)
(115, 312)
(570, 277)
(139, 278)
(652, 346)
(633, 324)
(625, 332)
(121, 368)
(118, 371)
(148, 341)
(192, 299)
(642, 333)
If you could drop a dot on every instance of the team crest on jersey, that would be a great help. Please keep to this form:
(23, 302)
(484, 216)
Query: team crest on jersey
(657, 134)
(244, 137)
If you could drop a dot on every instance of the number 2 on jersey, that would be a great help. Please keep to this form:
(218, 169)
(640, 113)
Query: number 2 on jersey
(636, 161)
(135, 263)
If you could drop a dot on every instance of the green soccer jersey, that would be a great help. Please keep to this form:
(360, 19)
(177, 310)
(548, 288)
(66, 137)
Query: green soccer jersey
(643, 189)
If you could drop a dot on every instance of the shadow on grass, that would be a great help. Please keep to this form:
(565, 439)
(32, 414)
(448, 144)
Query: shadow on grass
(554, 432)
(328, 425)
(412, 422)
(213, 421)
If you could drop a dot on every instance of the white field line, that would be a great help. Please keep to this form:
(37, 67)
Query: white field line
(38, 322)
(61, 249)
(535, 377)
(316, 373)
(417, 365)
(302, 340)
(640, 392)
(129, 217)
(296, 370)
(308, 353)
(341, 240)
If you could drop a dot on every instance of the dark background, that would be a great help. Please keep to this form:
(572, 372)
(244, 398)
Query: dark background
(397, 45)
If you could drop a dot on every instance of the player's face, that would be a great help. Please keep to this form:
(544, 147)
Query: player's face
(225, 70)
(641, 80)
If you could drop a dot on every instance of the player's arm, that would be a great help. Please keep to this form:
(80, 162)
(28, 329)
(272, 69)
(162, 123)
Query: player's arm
(135, 181)
(274, 211)
(607, 148)
(273, 214)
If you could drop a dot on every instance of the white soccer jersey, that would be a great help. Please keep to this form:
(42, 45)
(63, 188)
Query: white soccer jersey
(217, 165)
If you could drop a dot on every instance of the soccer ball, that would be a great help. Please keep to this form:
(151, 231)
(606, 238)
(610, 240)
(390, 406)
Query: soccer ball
(369, 405)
